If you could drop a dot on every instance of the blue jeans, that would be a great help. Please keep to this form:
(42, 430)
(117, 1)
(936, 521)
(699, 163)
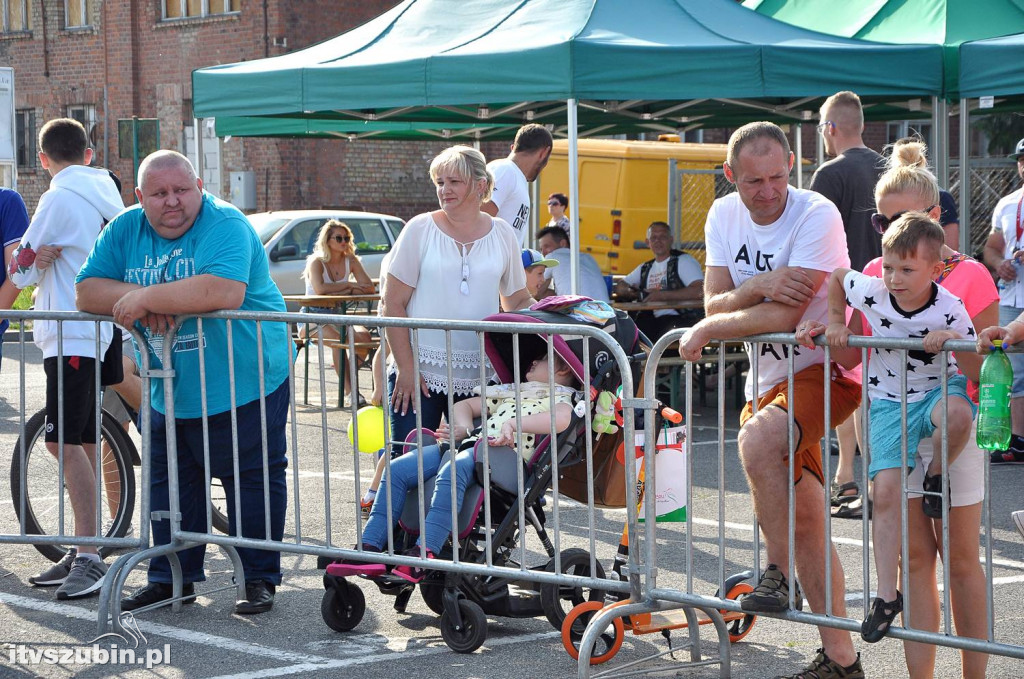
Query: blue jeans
(404, 477)
(258, 564)
(433, 406)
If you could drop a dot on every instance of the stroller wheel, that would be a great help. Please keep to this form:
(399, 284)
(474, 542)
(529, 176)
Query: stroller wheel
(473, 632)
(608, 642)
(343, 606)
(432, 591)
(558, 600)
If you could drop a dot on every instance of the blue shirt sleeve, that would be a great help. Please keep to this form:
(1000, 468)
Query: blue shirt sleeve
(13, 218)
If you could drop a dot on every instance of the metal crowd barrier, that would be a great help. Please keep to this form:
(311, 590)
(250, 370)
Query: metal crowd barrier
(38, 492)
(341, 530)
(656, 596)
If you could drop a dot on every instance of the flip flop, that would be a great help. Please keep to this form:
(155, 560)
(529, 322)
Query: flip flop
(854, 509)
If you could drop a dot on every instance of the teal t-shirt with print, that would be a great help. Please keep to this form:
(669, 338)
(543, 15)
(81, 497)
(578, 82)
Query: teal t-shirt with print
(221, 243)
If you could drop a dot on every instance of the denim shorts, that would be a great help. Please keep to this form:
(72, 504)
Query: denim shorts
(1006, 315)
(886, 435)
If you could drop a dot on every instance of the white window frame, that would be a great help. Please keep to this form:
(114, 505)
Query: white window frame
(79, 22)
(25, 9)
(209, 8)
(28, 130)
(906, 128)
(85, 114)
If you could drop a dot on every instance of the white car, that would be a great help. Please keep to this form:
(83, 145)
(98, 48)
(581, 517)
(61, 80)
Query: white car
(289, 237)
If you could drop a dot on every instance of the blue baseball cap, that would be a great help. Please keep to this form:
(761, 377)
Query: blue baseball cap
(532, 257)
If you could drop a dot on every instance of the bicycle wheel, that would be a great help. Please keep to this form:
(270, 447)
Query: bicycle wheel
(219, 509)
(40, 477)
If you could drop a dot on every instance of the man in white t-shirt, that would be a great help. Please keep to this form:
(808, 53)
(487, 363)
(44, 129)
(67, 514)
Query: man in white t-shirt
(510, 199)
(1004, 254)
(770, 248)
(666, 278)
(554, 244)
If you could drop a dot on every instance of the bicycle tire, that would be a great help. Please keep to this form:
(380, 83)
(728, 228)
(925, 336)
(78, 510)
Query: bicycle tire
(40, 467)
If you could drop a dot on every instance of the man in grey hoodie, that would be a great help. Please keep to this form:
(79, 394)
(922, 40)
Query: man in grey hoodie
(64, 228)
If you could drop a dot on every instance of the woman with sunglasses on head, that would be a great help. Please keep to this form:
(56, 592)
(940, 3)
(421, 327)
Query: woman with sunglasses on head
(455, 263)
(907, 186)
(557, 204)
(328, 271)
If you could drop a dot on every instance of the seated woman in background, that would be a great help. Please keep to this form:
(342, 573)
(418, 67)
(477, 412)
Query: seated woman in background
(328, 271)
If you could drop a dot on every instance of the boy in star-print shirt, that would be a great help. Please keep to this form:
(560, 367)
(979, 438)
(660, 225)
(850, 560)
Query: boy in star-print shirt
(905, 302)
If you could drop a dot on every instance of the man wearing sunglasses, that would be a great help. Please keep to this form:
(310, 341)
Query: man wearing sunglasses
(1004, 252)
(848, 180)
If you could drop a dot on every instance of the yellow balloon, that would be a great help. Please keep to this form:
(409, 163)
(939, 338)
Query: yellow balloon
(371, 422)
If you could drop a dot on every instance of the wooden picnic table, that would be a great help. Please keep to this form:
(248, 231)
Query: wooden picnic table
(679, 305)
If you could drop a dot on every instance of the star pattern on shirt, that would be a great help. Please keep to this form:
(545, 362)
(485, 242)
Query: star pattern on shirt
(869, 302)
(970, 331)
(873, 381)
(886, 323)
(950, 319)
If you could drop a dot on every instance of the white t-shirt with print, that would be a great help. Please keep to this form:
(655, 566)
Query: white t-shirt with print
(512, 196)
(1004, 222)
(943, 311)
(809, 234)
(689, 273)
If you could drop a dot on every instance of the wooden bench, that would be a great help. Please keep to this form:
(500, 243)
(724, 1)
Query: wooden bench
(303, 341)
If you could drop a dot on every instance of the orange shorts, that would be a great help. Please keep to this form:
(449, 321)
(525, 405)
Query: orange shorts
(809, 417)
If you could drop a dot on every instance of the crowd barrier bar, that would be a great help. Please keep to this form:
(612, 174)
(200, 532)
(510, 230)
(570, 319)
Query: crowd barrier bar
(60, 536)
(299, 544)
(652, 592)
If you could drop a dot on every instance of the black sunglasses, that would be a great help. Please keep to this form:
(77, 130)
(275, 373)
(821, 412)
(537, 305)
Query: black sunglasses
(342, 239)
(881, 222)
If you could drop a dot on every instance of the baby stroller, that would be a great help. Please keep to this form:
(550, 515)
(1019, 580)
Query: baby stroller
(463, 600)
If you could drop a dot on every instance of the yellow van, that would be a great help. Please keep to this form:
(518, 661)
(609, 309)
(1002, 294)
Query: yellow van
(624, 186)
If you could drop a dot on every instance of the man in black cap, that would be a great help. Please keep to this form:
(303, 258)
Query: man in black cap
(1004, 252)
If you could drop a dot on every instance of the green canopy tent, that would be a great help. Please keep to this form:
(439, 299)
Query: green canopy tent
(580, 65)
(977, 60)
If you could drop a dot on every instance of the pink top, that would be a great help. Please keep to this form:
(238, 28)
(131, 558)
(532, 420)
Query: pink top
(969, 280)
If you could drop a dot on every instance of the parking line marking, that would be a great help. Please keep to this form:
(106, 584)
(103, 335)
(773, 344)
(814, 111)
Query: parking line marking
(177, 633)
(384, 657)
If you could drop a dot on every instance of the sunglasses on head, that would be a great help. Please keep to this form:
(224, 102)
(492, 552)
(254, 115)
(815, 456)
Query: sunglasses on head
(342, 239)
(881, 222)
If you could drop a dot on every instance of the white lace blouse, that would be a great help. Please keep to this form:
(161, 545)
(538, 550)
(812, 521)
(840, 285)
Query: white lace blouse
(454, 281)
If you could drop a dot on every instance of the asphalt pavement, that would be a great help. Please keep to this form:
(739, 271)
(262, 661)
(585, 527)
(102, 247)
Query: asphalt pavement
(208, 640)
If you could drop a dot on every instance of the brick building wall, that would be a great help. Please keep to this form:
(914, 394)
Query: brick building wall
(128, 61)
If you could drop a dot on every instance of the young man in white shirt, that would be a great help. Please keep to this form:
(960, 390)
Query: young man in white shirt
(666, 278)
(510, 199)
(770, 248)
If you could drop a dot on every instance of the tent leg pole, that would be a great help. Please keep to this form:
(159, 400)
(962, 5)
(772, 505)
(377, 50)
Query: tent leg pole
(799, 155)
(198, 127)
(574, 196)
(965, 177)
(940, 130)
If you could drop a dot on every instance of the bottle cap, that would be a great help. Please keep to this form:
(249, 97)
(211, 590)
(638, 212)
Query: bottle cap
(997, 343)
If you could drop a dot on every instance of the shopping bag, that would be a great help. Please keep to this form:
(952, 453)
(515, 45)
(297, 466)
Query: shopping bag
(670, 456)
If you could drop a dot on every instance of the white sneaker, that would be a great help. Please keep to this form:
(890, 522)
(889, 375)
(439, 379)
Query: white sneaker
(86, 577)
(1018, 518)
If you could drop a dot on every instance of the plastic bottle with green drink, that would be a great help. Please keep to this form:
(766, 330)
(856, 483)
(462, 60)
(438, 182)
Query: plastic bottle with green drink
(996, 380)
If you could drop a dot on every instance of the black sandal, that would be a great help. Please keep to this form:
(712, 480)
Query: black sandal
(932, 504)
(877, 624)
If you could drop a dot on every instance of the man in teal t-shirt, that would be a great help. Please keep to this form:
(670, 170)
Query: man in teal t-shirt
(184, 252)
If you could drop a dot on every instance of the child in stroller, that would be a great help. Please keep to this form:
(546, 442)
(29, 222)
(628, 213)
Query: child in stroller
(535, 399)
(463, 599)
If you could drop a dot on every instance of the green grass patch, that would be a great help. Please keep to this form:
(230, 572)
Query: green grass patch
(23, 302)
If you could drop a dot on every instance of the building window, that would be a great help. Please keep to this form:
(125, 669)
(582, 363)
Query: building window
(25, 136)
(85, 114)
(187, 9)
(16, 15)
(898, 129)
(76, 13)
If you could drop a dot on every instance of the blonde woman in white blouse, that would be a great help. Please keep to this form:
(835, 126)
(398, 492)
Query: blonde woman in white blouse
(455, 263)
